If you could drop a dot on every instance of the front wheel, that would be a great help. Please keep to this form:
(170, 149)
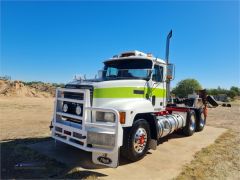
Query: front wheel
(136, 141)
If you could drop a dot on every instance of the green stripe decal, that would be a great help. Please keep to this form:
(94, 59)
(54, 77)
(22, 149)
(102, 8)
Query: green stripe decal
(127, 92)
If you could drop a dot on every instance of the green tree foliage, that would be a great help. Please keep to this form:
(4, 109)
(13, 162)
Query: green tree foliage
(234, 91)
(231, 94)
(185, 87)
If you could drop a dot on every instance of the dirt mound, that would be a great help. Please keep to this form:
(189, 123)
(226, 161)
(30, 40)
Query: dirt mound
(44, 87)
(18, 89)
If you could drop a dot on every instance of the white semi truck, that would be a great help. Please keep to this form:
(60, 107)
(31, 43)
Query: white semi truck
(124, 111)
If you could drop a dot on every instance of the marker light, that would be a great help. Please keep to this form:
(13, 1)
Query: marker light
(149, 54)
(122, 117)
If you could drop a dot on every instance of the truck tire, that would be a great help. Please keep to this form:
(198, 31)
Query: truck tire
(136, 141)
(190, 127)
(201, 120)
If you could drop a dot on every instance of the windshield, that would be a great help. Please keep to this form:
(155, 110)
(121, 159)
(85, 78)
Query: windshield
(127, 69)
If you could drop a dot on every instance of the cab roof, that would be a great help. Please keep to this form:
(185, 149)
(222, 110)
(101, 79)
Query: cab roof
(136, 55)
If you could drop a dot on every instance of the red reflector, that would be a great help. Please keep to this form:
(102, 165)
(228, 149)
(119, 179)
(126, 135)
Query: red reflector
(179, 109)
(161, 113)
(67, 132)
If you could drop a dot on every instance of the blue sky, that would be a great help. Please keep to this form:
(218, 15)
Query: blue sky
(53, 41)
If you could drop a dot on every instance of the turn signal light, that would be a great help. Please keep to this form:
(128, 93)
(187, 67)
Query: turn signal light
(122, 117)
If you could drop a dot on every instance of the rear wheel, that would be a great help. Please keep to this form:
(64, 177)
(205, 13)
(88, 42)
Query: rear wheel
(201, 120)
(136, 141)
(190, 127)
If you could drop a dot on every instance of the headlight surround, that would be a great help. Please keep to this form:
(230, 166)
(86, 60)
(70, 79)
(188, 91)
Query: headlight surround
(105, 116)
(65, 108)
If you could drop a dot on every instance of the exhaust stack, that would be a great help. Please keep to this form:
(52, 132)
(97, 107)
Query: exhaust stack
(167, 61)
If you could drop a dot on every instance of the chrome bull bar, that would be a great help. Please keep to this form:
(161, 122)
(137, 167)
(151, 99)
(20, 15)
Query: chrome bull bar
(78, 134)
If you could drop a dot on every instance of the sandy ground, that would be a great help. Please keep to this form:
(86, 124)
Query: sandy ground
(25, 117)
(26, 120)
(225, 117)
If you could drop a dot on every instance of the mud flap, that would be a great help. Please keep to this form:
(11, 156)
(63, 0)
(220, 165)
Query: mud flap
(107, 159)
(153, 144)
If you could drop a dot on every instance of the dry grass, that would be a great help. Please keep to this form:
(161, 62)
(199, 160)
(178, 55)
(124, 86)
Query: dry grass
(220, 160)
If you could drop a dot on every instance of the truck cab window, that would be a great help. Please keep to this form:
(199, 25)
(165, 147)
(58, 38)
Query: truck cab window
(127, 69)
(157, 73)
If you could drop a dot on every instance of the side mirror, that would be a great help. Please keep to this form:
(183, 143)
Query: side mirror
(170, 72)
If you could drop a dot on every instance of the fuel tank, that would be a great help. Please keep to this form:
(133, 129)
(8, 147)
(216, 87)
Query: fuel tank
(169, 123)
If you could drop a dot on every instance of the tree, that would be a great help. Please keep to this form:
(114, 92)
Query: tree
(232, 94)
(185, 87)
(235, 89)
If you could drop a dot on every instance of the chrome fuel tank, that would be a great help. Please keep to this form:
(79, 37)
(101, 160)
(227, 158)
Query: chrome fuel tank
(169, 123)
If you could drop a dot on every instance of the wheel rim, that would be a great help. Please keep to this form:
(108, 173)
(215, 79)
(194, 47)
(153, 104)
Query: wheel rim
(192, 123)
(140, 140)
(202, 120)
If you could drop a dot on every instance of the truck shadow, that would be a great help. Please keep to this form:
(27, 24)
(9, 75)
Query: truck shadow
(45, 158)
(169, 137)
(33, 158)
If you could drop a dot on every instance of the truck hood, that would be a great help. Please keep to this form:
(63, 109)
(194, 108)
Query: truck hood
(115, 89)
(108, 84)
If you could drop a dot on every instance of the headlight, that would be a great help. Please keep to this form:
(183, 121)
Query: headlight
(105, 116)
(78, 110)
(65, 108)
(109, 117)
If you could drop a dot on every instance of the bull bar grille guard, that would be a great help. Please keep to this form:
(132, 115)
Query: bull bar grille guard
(87, 123)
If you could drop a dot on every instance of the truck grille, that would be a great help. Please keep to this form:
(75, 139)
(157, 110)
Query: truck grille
(78, 96)
(70, 95)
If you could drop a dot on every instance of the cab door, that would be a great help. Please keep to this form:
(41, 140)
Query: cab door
(158, 89)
